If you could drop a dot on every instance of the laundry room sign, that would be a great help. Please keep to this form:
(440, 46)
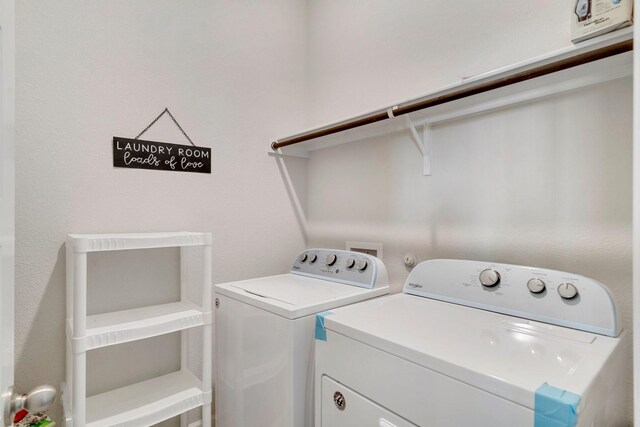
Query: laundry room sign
(141, 154)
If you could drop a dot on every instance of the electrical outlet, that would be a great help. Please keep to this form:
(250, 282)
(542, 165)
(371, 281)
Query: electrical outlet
(374, 249)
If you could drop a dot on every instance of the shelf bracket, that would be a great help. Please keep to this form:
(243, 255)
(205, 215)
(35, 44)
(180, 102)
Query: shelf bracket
(423, 143)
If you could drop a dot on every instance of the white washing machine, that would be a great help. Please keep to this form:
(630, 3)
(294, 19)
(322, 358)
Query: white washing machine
(474, 344)
(264, 334)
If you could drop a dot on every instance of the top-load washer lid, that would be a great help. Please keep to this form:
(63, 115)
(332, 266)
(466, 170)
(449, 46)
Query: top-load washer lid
(293, 296)
(319, 280)
(508, 356)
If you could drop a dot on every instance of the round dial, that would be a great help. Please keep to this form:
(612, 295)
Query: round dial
(331, 259)
(303, 257)
(350, 262)
(567, 290)
(489, 277)
(536, 285)
(362, 264)
(313, 258)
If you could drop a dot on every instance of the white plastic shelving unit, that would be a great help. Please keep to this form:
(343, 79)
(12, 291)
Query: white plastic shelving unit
(155, 400)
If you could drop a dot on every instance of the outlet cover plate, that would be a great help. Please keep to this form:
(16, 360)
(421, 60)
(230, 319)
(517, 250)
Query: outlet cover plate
(369, 248)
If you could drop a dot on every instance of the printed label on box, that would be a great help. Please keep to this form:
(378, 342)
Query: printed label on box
(591, 18)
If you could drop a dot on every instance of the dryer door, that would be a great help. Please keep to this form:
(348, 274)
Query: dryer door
(343, 407)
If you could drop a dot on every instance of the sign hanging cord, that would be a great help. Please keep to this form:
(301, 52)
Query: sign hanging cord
(166, 110)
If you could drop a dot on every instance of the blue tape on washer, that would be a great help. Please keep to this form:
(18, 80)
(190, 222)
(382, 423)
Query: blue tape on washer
(555, 407)
(321, 332)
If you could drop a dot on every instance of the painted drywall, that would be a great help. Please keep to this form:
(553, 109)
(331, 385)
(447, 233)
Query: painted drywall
(232, 73)
(546, 184)
(370, 54)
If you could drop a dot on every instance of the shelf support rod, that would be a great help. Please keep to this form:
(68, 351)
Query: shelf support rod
(416, 138)
(423, 143)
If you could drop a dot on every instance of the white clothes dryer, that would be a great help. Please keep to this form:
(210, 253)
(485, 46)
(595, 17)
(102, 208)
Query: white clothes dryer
(474, 344)
(264, 335)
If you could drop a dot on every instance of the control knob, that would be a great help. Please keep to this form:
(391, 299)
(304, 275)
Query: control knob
(567, 290)
(350, 262)
(489, 277)
(303, 257)
(331, 259)
(362, 264)
(313, 258)
(536, 285)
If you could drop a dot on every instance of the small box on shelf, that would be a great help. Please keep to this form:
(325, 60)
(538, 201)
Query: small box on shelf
(591, 18)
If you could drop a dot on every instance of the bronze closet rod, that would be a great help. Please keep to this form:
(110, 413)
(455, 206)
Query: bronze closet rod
(412, 106)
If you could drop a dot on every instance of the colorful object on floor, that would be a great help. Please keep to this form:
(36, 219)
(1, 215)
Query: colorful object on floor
(20, 415)
(39, 419)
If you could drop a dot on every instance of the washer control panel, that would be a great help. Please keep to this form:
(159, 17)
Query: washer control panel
(348, 267)
(544, 295)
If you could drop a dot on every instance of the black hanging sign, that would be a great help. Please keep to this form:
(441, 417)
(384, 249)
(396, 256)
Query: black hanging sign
(140, 154)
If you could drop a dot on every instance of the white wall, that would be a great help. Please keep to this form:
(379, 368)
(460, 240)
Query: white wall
(233, 75)
(369, 54)
(546, 184)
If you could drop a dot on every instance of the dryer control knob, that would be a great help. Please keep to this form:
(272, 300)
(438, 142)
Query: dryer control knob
(362, 264)
(489, 277)
(567, 290)
(536, 285)
(350, 262)
(313, 258)
(331, 259)
(303, 257)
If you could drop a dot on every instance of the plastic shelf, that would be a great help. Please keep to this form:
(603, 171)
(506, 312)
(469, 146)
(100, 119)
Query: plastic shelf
(152, 401)
(129, 325)
(148, 402)
(117, 242)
